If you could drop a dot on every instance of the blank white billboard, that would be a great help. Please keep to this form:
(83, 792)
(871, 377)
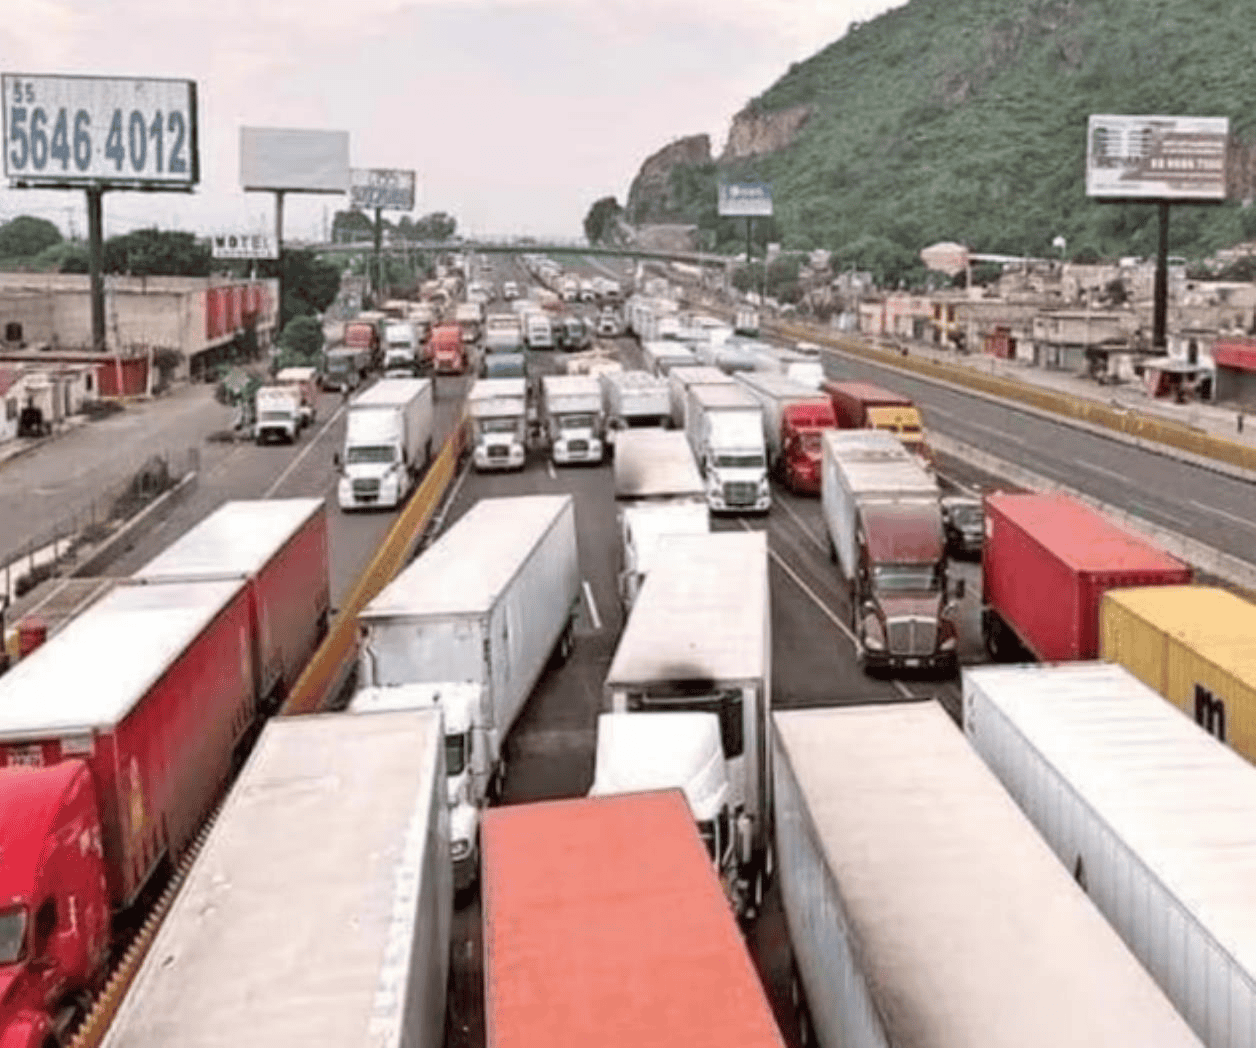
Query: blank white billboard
(1156, 157)
(297, 160)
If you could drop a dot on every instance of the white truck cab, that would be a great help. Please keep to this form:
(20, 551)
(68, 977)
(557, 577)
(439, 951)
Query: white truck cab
(498, 408)
(573, 417)
(278, 415)
(724, 425)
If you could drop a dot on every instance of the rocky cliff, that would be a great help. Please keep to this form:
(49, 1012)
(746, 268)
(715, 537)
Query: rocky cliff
(754, 133)
(650, 199)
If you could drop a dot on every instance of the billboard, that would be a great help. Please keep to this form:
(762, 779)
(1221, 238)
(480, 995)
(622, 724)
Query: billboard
(1157, 157)
(297, 160)
(745, 200)
(388, 190)
(244, 245)
(118, 131)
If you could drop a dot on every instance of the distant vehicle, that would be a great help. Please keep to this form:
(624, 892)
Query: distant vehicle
(609, 324)
(963, 522)
(388, 443)
(587, 294)
(305, 381)
(278, 414)
(345, 367)
(446, 350)
(538, 332)
(510, 291)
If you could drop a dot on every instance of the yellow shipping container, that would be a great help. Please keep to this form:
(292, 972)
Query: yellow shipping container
(1196, 646)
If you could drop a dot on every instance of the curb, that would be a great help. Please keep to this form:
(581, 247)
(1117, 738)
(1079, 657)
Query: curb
(109, 549)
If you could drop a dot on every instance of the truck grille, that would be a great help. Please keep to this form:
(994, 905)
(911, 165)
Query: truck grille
(913, 636)
(740, 493)
(497, 451)
(578, 447)
(366, 489)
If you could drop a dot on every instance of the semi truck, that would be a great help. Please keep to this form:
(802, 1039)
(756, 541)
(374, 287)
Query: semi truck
(923, 908)
(724, 426)
(319, 910)
(632, 400)
(446, 350)
(641, 949)
(1046, 563)
(402, 350)
(498, 411)
(571, 414)
(388, 443)
(658, 491)
(1151, 816)
(469, 317)
(277, 414)
(489, 604)
(862, 405)
(538, 332)
(884, 524)
(115, 743)
(662, 356)
(345, 367)
(680, 379)
(363, 333)
(794, 420)
(698, 640)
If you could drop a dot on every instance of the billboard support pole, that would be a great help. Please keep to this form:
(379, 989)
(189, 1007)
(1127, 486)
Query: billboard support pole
(377, 270)
(749, 271)
(279, 251)
(1160, 299)
(95, 264)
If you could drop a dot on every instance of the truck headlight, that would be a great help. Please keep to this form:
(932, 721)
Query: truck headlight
(949, 643)
(874, 636)
(459, 849)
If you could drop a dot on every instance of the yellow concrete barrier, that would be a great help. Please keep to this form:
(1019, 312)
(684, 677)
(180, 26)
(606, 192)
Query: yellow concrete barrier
(325, 672)
(1130, 422)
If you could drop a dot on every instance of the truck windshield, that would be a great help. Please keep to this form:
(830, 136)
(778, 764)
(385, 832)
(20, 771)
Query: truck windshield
(810, 443)
(370, 453)
(337, 365)
(12, 934)
(905, 578)
(455, 754)
(498, 425)
(750, 461)
(582, 421)
(966, 516)
(727, 705)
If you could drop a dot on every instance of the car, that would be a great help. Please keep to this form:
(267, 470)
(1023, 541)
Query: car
(963, 521)
(809, 349)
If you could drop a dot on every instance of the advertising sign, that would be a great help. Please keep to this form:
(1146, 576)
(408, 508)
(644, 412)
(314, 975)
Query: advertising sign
(75, 130)
(388, 190)
(296, 160)
(745, 200)
(1157, 157)
(244, 245)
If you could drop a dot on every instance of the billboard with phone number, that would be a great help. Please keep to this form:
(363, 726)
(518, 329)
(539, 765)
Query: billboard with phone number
(1157, 157)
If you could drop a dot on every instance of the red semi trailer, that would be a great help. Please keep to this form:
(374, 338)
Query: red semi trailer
(120, 733)
(605, 925)
(1047, 561)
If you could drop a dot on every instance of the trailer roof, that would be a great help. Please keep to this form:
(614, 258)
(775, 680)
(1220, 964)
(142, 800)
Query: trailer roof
(872, 443)
(237, 539)
(700, 375)
(1182, 800)
(891, 475)
(780, 387)
(465, 570)
(605, 925)
(1217, 624)
(1079, 536)
(963, 921)
(295, 924)
(92, 674)
(642, 379)
(565, 385)
(867, 392)
(655, 463)
(724, 396)
(388, 392)
(490, 388)
(702, 612)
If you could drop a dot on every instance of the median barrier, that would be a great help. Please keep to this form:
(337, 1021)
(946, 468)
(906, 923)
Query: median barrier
(327, 671)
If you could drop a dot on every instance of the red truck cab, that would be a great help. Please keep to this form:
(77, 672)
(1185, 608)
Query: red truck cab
(54, 899)
(446, 350)
(801, 427)
(363, 335)
(863, 405)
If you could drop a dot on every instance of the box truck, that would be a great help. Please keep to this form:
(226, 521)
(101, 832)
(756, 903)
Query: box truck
(661, 357)
(632, 400)
(345, 368)
(319, 910)
(658, 491)
(794, 419)
(924, 910)
(469, 318)
(1047, 561)
(277, 414)
(681, 378)
(388, 443)
(1196, 646)
(884, 524)
(604, 925)
(571, 414)
(699, 640)
(401, 349)
(1152, 817)
(862, 405)
(724, 425)
(474, 621)
(498, 410)
(305, 382)
(537, 330)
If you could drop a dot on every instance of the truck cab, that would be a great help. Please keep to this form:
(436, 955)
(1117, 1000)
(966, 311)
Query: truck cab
(305, 381)
(537, 331)
(573, 417)
(344, 368)
(278, 415)
(446, 349)
(498, 408)
(640, 752)
(725, 429)
(802, 429)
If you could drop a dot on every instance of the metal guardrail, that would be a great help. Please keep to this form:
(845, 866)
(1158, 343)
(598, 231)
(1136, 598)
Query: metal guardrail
(326, 672)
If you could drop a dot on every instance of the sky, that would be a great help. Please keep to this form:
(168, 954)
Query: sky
(515, 114)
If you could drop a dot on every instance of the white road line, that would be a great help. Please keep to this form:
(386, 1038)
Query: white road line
(304, 451)
(1226, 514)
(999, 434)
(1106, 472)
(588, 596)
(801, 523)
(549, 468)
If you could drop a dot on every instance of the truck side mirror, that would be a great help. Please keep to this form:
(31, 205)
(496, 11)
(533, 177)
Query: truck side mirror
(335, 458)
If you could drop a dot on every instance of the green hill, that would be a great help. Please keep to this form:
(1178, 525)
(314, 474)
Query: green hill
(966, 120)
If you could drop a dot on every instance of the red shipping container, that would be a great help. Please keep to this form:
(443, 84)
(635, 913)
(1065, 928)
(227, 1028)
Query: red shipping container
(1048, 560)
(280, 547)
(152, 687)
(605, 925)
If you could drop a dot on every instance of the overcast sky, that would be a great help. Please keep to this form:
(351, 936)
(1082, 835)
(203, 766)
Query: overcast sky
(516, 114)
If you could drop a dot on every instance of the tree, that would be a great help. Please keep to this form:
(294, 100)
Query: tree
(156, 252)
(303, 336)
(352, 225)
(26, 235)
(310, 283)
(69, 256)
(436, 226)
(601, 221)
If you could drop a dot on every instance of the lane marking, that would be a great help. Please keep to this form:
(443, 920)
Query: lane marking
(824, 608)
(806, 530)
(549, 468)
(304, 451)
(1106, 472)
(588, 596)
(1225, 513)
